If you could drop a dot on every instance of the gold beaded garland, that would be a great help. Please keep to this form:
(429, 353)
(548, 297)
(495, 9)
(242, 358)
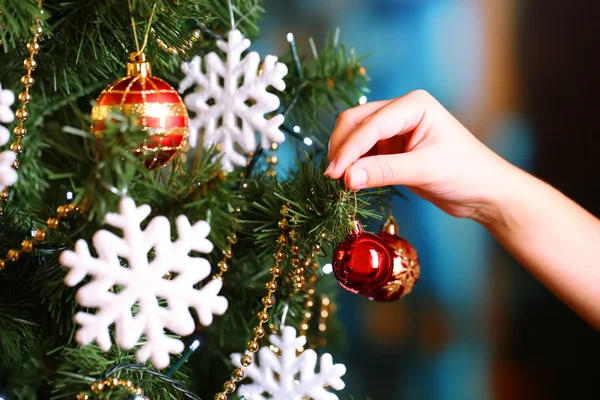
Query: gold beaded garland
(112, 383)
(27, 80)
(40, 235)
(263, 316)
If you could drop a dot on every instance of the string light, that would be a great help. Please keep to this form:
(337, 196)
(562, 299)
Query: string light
(69, 195)
(297, 129)
(290, 37)
(362, 100)
(327, 268)
(308, 141)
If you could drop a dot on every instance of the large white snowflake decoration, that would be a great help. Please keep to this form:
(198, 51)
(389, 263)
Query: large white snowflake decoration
(142, 284)
(8, 176)
(291, 376)
(231, 99)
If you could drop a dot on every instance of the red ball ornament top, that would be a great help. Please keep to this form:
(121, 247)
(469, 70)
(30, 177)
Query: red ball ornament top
(362, 263)
(159, 107)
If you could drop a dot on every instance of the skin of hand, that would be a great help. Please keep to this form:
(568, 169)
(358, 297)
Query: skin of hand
(415, 142)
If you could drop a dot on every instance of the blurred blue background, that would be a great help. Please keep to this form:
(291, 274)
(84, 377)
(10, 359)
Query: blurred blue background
(522, 76)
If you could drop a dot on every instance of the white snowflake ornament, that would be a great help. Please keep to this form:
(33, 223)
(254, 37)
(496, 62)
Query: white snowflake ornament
(291, 376)
(142, 284)
(8, 176)
(230, 99)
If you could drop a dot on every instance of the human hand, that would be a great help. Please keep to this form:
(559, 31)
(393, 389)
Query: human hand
(414, 141)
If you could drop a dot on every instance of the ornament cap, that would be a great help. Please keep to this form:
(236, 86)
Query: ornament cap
(356, 227)
(390, 227)
(138, 65)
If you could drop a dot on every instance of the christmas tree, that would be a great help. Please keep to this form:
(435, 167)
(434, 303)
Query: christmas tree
(150, 244)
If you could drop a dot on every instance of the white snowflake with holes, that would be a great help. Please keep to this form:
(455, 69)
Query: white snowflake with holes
(230, 99)
(130, 297)
(291, 376)
(8, 176)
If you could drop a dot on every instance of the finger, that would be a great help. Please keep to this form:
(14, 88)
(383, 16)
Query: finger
(401, 116)
(348, 120)
(387, 170)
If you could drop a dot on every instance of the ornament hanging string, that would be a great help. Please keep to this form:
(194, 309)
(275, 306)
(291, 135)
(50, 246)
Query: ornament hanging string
(351, 216)
(146, 35)
(231, 18)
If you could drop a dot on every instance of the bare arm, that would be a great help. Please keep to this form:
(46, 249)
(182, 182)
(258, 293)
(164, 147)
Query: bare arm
(413, 141)
(550, 235)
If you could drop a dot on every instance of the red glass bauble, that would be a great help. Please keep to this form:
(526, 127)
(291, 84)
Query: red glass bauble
(362, 263)
(159, 107)
(406, 269)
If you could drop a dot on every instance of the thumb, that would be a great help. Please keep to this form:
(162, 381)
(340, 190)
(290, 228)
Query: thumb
(386, 170)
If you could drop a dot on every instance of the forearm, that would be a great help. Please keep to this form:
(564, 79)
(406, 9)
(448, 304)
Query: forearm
(553, 237)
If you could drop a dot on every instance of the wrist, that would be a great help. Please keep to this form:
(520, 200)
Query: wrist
(499, 208)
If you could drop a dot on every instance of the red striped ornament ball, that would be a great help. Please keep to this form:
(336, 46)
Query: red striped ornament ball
(159, 107)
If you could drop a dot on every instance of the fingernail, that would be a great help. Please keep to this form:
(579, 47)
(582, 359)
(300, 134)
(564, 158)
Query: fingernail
(330, 167)
(358, 178)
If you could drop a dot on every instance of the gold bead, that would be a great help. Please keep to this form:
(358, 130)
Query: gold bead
(232, 238)
(316, 248)
(268, 301)
(271, 286)
(272, 160)
(259, 331)
(295, 261)
(15, 164)
(252, 346)
(300, 285)
(306, 263)
(2, 264)
(100, 386)
(33, 47)
(27, 81)
(20, 131)
(223, 266)
(296, 279)
(245, 185)
(279, 256)
(30, 64)
(295, 249)
(16, 147)
(263, 316)
(276, 271)
(220, 396)
(325, 301)
(52, 223)
(139, 392)
(3, 195)
(309, 303)
(71, 207)
(238, 374)
(129, 384)
(324, 235)
(283, 223)
(27, 246)
(40, 235)
(304, 327)
(308, 315)
(229, 387)
(274, 146)
(282, 239)
(246, 360)
(299, 271)
(37, 30)
(227, 253)
(13, 255)
(22, 114)
(311, 291)
(61, 211)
